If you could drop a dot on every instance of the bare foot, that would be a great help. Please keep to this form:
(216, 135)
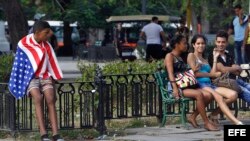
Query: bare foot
(210, 127)
(193, 122)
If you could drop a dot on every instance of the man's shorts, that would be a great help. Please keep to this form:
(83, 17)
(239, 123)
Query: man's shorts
(41, 84)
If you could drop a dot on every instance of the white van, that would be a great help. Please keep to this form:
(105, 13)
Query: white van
(57, 27)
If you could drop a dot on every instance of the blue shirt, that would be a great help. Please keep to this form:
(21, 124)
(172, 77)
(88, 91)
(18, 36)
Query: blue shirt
(204, 68)
(239, 30)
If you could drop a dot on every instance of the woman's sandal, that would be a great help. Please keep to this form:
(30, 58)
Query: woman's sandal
(214, 119)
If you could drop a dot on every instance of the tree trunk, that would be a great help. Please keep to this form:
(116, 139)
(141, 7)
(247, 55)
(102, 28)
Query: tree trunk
(17, 23)
(204, 19)
(67, 31)
(194, 23)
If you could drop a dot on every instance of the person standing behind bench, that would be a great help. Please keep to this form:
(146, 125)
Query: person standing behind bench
(238, 25)
(155, 39)
(246, 42)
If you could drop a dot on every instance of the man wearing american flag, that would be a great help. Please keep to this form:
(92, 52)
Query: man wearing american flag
(34, 69)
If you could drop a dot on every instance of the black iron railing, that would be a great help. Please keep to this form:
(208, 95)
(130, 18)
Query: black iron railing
(83, 105)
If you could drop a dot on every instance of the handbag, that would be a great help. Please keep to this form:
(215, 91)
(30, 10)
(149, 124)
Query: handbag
(225, 81)
(185, 79)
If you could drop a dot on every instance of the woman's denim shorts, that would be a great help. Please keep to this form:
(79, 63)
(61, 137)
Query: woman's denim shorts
(206, 84)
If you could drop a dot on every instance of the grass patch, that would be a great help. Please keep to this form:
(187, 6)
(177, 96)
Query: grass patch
(4, 134)
(132, 123)
(79, 134)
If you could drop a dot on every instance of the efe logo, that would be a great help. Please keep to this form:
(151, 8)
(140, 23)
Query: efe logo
(236, 132)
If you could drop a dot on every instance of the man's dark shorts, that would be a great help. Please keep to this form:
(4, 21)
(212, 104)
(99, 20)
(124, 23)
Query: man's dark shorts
(155, 51)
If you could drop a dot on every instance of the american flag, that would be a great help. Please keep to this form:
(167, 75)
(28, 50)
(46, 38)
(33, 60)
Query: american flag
(30, 60)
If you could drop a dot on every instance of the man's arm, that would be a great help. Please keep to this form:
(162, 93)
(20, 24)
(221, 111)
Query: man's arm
(163, 36)
(243, 19)
(164, 39)
(143, 35)
(235, 69)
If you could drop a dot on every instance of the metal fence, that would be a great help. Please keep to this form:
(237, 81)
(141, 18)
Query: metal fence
(83, 105)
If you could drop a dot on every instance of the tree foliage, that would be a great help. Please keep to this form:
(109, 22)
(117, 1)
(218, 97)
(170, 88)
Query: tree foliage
(93, 13)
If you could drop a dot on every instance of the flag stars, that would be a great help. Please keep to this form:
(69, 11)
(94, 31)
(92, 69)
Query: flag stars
(22, 73)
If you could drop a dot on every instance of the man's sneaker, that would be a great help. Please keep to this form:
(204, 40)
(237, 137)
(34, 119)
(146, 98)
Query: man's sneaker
(57, 138)
(45, 137)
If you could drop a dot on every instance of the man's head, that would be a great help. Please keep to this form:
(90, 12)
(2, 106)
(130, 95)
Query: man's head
(42, 31)
(238, 9)
(221, 40)
(155, 19)
(119, 26)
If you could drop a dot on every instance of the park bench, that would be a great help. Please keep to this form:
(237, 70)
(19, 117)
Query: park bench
(168, 101)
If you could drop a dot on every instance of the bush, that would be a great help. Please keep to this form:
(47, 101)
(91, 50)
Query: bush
(6, 62)
(119, 67)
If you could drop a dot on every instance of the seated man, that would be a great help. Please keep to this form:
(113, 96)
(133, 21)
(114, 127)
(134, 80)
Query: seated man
(226, 63)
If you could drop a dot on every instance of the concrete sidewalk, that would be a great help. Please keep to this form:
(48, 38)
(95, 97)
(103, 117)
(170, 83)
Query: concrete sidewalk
(167, 133)
(175, 133)
(171, 133)
(70, 67)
